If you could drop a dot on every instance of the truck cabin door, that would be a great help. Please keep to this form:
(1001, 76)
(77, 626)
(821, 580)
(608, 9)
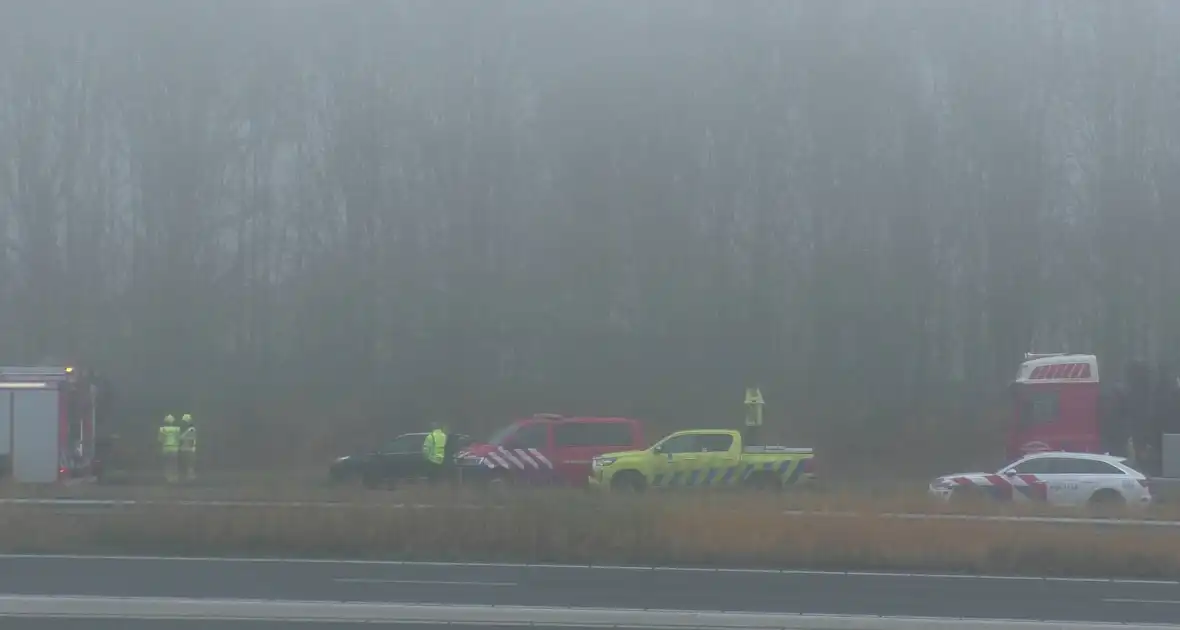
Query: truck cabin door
(1036, 415)
(675, 459)
(719, 453)
(522, 447)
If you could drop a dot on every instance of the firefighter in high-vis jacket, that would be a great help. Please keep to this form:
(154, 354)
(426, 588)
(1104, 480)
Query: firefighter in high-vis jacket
(188, 447)
(169, 438)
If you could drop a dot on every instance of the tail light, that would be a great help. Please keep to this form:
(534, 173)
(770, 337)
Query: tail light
(1146, 483)
(809, 466)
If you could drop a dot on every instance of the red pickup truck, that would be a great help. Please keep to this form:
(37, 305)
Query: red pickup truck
(550, 449)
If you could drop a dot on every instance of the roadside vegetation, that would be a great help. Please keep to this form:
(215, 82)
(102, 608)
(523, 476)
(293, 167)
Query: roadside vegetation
(577, 528)
(880, 497)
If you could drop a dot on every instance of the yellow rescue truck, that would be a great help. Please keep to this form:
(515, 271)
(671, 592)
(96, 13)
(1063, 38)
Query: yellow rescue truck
(703, 458)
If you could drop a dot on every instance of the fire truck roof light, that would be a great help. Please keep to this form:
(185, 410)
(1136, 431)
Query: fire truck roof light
(1030, 356)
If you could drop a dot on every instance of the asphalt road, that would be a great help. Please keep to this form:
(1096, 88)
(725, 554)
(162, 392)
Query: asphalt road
(602, 587)
(200, 624)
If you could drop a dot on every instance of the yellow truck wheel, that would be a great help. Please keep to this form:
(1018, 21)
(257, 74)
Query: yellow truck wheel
(628, 481)
(764, 482)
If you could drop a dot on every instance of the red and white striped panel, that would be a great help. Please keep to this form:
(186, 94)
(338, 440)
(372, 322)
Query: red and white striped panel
(518, 459)
(1060, 371)
(1027, 485)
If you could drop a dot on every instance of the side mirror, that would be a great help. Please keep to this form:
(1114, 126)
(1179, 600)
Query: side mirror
(1009, 473)
(657, 449)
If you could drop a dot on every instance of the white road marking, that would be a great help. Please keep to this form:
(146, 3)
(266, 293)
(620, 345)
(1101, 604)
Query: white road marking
(35, 606)
(423, 582)
(579, 567)
(1119, 600)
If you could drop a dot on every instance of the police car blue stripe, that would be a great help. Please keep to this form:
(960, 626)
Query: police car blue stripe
(749, 469)
(692, 479)
(709, 477)
(657, 480)
(729, 473)
(674, 479)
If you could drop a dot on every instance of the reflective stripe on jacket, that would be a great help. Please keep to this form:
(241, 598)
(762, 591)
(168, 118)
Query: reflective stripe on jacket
(434, 446)
(188, 440)
(169, 438)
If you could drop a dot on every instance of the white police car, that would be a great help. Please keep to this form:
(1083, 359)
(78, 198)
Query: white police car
(1053, 478)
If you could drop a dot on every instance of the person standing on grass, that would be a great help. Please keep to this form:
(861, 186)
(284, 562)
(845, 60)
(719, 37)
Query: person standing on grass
(169, 438)
(188, 447)
(434, 449)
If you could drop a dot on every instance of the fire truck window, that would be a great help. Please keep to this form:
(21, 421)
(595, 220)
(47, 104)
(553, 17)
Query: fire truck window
(75, 406)
(530, 436)
(1038, 408)
(591, 434)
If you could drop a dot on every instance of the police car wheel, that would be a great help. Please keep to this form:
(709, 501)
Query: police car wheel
(1107, 498)
(964, 495)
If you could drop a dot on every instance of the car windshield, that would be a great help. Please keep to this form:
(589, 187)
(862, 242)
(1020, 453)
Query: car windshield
(498, 438)
(404, 444)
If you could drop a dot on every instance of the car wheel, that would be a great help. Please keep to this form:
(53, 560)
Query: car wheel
(764, 482)
(1107, 499)
(628, 482)
(375, 481)
(967, 495)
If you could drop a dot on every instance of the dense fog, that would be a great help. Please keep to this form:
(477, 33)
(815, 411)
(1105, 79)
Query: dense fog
(309, 222)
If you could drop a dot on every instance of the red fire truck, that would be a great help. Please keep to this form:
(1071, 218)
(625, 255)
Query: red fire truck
(48, 417)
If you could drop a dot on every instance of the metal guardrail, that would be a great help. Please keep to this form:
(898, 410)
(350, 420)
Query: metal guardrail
(109, 504)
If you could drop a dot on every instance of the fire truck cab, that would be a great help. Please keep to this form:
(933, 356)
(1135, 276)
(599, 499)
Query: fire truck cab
(1055, 399)
(47, 423)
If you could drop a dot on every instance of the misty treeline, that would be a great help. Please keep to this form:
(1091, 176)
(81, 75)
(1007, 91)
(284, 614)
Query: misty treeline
(351, 216)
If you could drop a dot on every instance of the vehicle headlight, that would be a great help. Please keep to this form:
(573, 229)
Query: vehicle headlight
(603, 462)
(472, 460)
(941, 484)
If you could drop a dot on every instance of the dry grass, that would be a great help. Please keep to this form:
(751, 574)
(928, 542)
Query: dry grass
(881, 497)
(547, 527)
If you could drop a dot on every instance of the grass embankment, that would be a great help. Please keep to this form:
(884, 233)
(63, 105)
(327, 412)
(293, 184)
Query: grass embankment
(575, 528)
(877, 497)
